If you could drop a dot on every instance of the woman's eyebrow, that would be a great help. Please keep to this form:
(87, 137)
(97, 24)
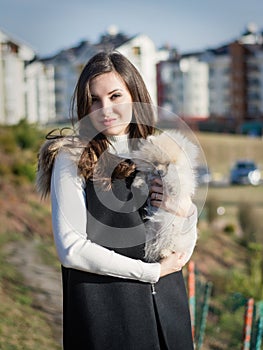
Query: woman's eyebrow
(109, 93)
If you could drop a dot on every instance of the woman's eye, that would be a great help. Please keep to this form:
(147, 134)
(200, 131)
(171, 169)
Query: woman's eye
(94, 99)
(115, 96)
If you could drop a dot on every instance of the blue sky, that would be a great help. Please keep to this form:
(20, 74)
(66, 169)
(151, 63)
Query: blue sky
(50, 25)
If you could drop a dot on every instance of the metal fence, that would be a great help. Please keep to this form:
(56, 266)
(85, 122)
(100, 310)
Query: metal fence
(248, 312)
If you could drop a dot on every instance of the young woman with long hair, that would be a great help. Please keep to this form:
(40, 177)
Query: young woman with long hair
(112, 297)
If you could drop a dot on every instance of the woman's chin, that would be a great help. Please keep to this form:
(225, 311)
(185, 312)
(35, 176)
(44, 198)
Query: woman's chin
(115, 130)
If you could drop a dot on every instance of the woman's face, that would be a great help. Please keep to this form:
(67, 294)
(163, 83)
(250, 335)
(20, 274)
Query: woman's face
(111, 109)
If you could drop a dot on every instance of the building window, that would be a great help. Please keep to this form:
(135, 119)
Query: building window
(10, 47)
(136, 50)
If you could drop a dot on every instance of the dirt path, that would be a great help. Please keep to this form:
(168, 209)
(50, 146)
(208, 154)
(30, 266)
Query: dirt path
(44, 280)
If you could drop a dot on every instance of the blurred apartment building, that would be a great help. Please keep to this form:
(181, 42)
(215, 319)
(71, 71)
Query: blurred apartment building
(221, 86)
(41, 89)
(14, 56)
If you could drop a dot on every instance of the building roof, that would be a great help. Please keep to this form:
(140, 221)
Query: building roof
(85, 49)
(25, 51)
(110, 41)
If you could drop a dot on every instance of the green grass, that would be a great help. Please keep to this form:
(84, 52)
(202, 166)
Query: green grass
(22, 326)
(224, 328)
(47, 252)
(237, 194)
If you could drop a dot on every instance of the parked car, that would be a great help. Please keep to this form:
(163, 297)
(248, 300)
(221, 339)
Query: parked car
(245, 172)
(204, 176)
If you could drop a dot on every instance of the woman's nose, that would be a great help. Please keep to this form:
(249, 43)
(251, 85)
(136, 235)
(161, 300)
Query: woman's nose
(106, 107)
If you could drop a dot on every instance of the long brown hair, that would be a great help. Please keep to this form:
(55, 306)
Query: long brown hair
(143, 114)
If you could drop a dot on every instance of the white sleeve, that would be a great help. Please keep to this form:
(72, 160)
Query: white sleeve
(69, 218)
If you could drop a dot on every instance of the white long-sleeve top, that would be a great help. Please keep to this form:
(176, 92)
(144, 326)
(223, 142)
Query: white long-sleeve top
(69, 221)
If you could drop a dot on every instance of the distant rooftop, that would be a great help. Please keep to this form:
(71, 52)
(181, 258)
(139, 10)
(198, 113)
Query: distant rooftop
(108, 41)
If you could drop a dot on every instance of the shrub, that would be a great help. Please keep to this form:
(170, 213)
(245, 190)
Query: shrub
(8, 141)
(26, 170)
(229, 228)
(248, 222)
(26, 135)
(211, 209)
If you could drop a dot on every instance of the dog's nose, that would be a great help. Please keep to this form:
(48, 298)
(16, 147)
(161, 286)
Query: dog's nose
(159, 172)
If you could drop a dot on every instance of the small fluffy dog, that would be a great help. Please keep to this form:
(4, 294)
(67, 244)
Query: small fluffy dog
(171, 157)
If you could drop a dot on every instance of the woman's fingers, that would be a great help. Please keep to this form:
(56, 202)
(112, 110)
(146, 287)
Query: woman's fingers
(157, 196)
(156, 189)
(157, 182)
(183, 208)
(156, 192)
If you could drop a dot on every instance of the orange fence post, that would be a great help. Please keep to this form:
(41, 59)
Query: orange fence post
(191, 294)
(248, 324)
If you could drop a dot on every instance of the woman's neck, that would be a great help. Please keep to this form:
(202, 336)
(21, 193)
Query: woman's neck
(119, 144)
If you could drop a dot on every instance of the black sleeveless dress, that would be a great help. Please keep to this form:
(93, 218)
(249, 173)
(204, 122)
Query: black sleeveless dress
(109, 313)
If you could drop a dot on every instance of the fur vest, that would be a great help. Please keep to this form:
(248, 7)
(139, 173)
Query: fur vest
(74, 147)
(46, 158)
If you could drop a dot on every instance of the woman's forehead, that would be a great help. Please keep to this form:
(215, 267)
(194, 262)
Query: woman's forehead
(107, 81)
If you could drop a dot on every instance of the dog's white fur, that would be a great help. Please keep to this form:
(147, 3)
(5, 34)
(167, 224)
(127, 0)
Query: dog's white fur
(172, 157)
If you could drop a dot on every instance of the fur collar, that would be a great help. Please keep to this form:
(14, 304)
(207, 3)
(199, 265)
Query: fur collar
(46, 158)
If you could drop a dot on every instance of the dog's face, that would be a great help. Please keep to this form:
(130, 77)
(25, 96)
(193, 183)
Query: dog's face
(152, 166)
(156, 154)
(157, 168)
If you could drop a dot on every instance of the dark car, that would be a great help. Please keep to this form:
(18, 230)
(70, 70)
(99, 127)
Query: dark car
(245, 172)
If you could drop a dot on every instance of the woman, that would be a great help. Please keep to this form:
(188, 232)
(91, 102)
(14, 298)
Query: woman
(112, 298)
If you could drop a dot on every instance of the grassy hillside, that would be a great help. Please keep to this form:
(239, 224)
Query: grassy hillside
(221, 255)
(23, 323)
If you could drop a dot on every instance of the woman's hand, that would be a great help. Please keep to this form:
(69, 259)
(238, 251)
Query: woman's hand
(172, 263)
(166, 202)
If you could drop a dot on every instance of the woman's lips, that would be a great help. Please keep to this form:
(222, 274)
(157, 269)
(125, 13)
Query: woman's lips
(108, 122)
